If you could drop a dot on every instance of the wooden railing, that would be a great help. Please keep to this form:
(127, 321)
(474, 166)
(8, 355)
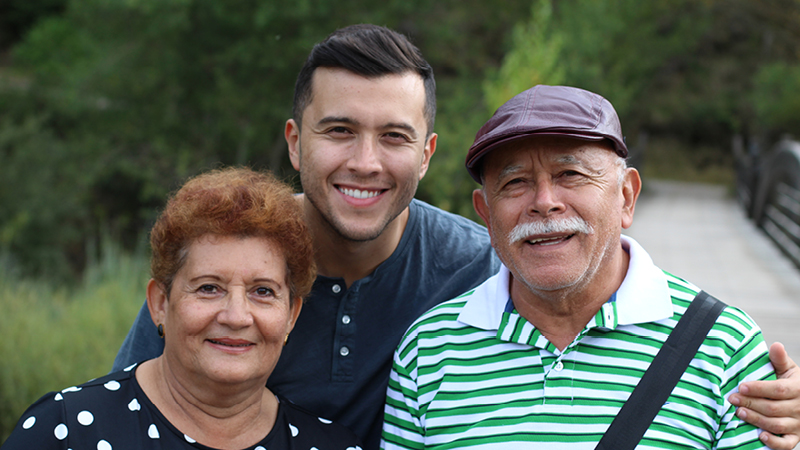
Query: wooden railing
(782, 220)
(768, 186)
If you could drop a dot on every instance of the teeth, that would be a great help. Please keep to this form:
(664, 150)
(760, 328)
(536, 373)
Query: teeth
(358, 193)
(545, 241)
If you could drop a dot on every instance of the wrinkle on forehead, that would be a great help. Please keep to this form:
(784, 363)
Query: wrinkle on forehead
(551, 150)
(587, 160)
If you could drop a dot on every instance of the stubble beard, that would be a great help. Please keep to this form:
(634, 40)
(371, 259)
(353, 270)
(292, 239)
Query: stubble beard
(346, 233)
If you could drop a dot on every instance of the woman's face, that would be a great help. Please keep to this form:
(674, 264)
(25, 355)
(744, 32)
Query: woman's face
(228, 311)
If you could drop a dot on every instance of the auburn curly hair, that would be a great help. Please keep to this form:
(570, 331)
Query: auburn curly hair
(233, 202)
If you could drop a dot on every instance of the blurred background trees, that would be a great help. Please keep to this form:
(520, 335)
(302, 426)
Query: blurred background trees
(108, 105)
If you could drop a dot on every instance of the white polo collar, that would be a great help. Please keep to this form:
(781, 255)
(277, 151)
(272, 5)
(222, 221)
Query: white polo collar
(643, 296)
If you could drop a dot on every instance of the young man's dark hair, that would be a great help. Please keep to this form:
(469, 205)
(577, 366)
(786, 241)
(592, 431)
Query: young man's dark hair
(369, 51)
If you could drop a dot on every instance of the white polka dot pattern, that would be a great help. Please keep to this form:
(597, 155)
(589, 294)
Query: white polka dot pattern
(85, 418)
(111, 413)
(61, 432)
(134, 405)
(29, 422)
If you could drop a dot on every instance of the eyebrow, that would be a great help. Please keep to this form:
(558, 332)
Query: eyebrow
(336, 119)
(401, 125)
(568, 159)
(509, 170)
(217, 278)
(208, 275)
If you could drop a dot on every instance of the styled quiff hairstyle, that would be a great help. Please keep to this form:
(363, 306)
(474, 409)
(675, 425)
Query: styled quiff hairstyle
(233, 202)
(370, 51)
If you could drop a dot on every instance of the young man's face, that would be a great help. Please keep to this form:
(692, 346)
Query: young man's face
(362, 149)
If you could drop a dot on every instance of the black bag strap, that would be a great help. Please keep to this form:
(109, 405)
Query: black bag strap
(663, 374)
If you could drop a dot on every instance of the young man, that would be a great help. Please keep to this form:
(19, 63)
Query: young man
(362, 137)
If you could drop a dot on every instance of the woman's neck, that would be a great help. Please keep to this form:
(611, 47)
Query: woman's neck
(218, 416)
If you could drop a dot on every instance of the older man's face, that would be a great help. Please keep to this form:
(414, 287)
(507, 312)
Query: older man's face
(555, 208)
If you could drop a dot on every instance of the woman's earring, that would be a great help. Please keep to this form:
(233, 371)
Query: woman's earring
(161, 331)
(286, 340)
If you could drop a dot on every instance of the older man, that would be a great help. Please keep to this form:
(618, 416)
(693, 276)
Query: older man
(548, 350)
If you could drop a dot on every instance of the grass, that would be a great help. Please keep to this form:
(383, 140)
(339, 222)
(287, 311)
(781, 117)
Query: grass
(56, 337)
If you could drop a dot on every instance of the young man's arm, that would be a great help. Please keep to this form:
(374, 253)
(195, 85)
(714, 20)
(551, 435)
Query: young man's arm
(773, 406)
(141, 343)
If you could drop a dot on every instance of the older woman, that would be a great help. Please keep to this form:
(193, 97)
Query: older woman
(232, 259)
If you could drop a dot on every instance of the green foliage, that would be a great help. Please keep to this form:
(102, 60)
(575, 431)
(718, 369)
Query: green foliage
(17, 17)
(777, 104)
(535, 58)
(112, 104)
(669, 158)
(108, 105)
(56, 337)
(679, 69)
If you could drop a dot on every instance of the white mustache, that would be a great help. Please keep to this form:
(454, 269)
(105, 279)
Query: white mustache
(572, 225)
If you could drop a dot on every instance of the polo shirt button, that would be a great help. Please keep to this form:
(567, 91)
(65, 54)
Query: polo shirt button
(559, 366)
(344, 351)
(336, 289)
(345, 319)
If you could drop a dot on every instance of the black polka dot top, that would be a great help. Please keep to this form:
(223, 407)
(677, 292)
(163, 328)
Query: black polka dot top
(113, 413)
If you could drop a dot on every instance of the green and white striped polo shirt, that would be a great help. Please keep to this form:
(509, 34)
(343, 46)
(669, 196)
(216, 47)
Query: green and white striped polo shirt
(471, 373)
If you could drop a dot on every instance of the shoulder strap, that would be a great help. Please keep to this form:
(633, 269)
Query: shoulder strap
(663, 374)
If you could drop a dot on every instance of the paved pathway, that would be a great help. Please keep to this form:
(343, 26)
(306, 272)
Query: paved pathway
(698, 232)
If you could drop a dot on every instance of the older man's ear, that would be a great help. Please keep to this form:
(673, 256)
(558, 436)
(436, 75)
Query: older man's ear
(631, 187)
(481, 207)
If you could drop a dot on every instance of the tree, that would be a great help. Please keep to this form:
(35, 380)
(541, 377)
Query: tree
(119, 101)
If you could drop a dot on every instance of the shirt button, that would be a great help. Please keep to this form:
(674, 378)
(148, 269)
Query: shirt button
(336, 289)
(344, 351)
(345, 319)
(559, 366)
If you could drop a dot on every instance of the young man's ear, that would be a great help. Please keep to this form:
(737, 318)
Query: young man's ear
(427, 152)
(292, 134)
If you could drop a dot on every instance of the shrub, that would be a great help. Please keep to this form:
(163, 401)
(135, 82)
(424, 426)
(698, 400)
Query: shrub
(55, 337)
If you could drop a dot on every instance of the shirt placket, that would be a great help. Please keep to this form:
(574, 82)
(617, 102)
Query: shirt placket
(344, 343)
(559, 380)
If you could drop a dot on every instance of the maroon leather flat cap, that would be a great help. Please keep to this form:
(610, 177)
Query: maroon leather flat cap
(551, 110)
